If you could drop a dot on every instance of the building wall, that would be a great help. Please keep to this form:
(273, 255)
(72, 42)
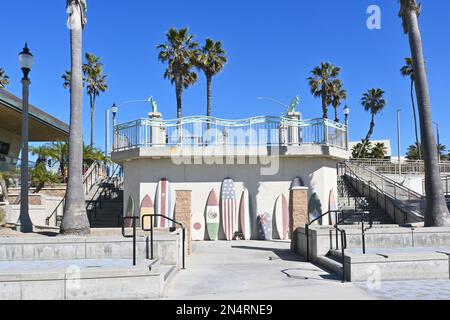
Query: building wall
(318, 173)
(14, 149)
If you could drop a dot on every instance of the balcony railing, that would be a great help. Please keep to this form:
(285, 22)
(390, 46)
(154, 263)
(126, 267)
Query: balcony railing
(204, 131)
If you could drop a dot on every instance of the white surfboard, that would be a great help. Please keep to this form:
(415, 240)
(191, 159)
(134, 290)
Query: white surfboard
(244, 215)
(282, 217)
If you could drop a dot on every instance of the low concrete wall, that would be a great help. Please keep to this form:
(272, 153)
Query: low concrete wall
(397, 267)
(167, 248)
(321, 241)
(105, 284)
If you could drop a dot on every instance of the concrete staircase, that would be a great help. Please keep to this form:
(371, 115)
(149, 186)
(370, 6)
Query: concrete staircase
(351, 201)
(106, 206)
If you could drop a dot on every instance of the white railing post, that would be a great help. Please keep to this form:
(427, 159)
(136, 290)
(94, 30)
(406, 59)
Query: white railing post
(294, 118)
(155, 129)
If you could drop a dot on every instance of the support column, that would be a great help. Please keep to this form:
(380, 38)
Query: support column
(298, 213)
(158, 132)
(293, 138)
(183, 214)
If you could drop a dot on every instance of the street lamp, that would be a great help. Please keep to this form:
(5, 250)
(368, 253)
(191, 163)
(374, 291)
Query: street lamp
(26, 61)
(346, 113)
(438, 142)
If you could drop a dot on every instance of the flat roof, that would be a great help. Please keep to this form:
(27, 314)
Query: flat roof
(43, 127)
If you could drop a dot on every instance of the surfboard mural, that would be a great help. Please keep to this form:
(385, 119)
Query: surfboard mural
(265, 226)
(164, 204)
(146, 208)
(282, 217)
(315, 208)
(212, 216)
(228, 208)
(332, 205)
(244, 215)
(129, 212)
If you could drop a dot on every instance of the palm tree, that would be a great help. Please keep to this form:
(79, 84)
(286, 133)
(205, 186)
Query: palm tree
(4, 79)
(180, 52)
(362, 150)
(337, 95)
(96, 83)
(379, 151)
(59, 152)
(211, 60)
(373, 102)
(408, 71)
(413, 152)
(75, 220)
(437, 214)
(321, 83)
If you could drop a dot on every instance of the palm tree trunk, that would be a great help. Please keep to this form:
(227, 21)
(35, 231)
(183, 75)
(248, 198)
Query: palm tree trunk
(179, 93)
(324, 106)
(208, 96)
(75, 221)
(368, 136)
(436, 214)
(415, 120)
(336, 118)
(92, 119)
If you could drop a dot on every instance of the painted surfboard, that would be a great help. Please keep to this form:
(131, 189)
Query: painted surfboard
(146, 208)
(332, 205)
(129, 212)
(297, 182)
(282, 217)
(315, 208)
(244, 215)
(265, 226)
(164, 204)
(212, 216)
(228, 208)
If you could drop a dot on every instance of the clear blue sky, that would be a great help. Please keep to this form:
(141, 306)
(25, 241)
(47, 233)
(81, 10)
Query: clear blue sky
(272, 46)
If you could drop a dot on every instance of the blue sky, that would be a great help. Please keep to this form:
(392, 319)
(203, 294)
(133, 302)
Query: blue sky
(272, 47)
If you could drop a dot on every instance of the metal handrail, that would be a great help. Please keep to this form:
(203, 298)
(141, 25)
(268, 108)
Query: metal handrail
(395, 202)
(151, 216)
(133, 218)
(86, 176)
(342, 232)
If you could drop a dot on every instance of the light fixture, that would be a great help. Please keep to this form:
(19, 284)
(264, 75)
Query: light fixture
(26, 61)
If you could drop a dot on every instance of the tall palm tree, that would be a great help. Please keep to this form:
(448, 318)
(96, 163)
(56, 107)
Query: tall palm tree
(436, 214)
(337, 95)
(4, 79)
(408, 71)
(211, 60)
(95, 84)
(58, 151)
(373, 102)
(321, 83)
(75, 220)
(180, 52)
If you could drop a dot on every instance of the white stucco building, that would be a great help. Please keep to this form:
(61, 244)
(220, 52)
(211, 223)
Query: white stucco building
(262, 154)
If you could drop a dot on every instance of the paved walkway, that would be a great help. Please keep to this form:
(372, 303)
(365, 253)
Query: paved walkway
(255, 270)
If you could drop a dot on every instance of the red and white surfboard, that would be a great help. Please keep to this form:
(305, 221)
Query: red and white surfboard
(164, 204)
(228, 208)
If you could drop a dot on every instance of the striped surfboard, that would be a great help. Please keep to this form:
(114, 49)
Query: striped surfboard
(147, 208)
(164, 204)
(228, 208)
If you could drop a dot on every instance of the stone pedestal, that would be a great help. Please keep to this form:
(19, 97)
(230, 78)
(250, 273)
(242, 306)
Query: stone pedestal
(293, 138)
(157, 131)
(298, 212)
(183, 214)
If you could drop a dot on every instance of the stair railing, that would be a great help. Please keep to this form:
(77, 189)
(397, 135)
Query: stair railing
(396, 203)
(342, 232)
(152, 216)
(94, 171)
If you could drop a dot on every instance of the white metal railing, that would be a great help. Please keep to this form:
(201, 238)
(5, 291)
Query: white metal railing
(208, 131)
(394, 167)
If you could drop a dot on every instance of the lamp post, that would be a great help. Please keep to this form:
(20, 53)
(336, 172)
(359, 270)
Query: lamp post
(346, 113)
(26, 61)
(438, 142)
(398, 142)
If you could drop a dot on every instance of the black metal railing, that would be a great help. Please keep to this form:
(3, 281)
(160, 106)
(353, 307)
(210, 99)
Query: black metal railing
(342, 232)
(152, 216)
(133, 225)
